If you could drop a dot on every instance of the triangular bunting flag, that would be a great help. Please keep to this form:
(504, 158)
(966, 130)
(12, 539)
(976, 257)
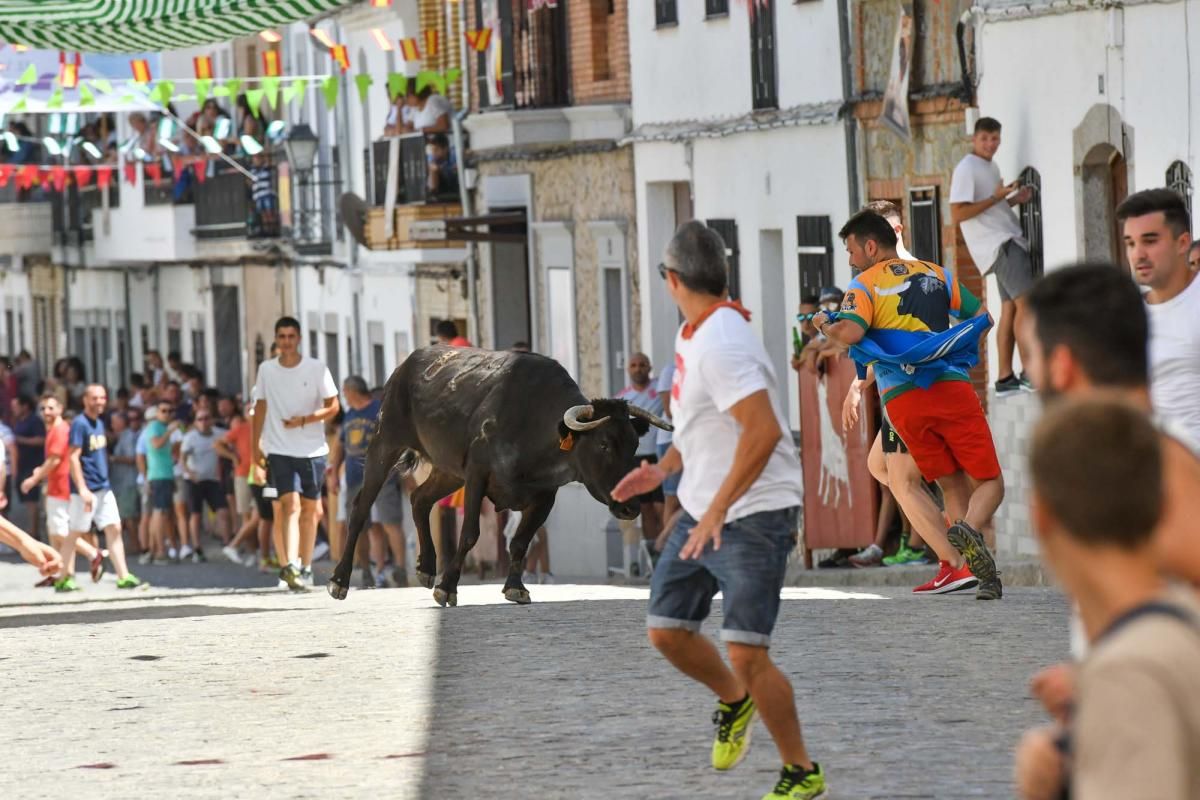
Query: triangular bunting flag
(30, 75)
(131, 173)
(86, 98)
(102, 85)
(141, 70)
(397, 83)
(68, 75)
(410, 50)
(56, 99)
(104, 177)
(426, 78)
(203, 88)
(162, 92)
(154, 171)
(329, 88)
(59, 177)
(232, 87)
(341, 55)
(254, 98)
(83, 175)
(301, 87)
(363, 82)
(203, 67)
(270, 87)
(271, 64)
(21, 105)
(201, 171)
(6, 171)
(452, 76)
(431, 43)
(26, 176)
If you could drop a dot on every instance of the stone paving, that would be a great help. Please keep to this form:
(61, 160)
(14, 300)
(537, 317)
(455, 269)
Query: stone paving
(273, 694)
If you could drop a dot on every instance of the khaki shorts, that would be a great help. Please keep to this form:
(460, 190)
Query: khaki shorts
(58, 516)
(243, 500)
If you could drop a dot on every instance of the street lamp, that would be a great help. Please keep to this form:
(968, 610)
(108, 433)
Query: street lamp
(301, 146)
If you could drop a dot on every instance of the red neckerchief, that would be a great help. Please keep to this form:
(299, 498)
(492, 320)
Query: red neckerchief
(689, 329)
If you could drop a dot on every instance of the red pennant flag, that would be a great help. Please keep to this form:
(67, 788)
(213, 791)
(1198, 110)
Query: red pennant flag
(83, 176)
(26, 176)
(201, 170)
(131, 173)
(104, 177)
(341, 55)
(59, 177)
(177, 166)
(480, 39)
(410, 50)
(270, 59)
(141, 70)
(203, 67)
(6, 171)
(431, 44)
(153, 171)
(46, 178)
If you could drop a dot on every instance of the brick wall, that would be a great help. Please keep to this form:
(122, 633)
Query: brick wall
(432, 15)
(599, 45)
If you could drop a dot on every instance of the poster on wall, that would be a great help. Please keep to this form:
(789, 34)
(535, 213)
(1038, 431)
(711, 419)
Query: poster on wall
(895, 98)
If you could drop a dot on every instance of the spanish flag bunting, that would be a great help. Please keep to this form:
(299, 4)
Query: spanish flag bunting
(270, 59)
(381, 3)
(381, 39)
(141, 70)
(409, 49)
(431, 44)
(68, 75)
(341, 55)
(479, 39)
(203, 67)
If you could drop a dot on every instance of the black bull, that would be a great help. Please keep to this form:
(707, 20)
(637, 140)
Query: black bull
(512, 427)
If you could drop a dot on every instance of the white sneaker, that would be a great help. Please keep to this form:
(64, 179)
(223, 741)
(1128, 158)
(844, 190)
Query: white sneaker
(185, 552)
(320, 551)
(144, 558)
(172, 554)
(251, 560)
(529, 577)
(232, 554)
(282, 584)
(547, 578)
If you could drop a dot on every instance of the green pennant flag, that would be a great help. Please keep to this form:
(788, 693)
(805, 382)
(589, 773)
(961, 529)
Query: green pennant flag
(301, 87)
(254, 98)
(126, 99)
(397, 83)
(162, 92)
(101, 85)
(425, 78)
(22, 105)
(271, 90)
(363, 82)
(86, 98)
(329, 88)
(56, 99)
(231, 89)
(30, 75)
(452, 76)
(203, 89)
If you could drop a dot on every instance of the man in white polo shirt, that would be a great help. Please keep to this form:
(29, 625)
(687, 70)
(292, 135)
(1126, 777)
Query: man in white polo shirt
(741, 496)
(294, 396)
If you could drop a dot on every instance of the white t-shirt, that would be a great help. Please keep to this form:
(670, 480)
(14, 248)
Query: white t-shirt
(293, 392)
(723, 363)
(435, 106)
(664, 387)
(1175, 360)
(976, 179)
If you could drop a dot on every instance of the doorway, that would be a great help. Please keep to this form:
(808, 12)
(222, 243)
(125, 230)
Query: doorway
(774, 315)
(510, 285)
(1105, 180)
(227, 336)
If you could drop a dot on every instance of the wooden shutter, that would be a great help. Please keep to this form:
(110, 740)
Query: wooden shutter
(924, 224)
(764, 86)
(727, 228)
(814, 254)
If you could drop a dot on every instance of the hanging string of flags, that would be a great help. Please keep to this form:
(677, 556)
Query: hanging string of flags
(29, 175)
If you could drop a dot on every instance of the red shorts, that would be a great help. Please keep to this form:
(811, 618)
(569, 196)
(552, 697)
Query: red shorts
(945, 430)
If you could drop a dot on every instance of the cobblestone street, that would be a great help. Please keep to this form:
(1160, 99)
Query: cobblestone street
(300, 696)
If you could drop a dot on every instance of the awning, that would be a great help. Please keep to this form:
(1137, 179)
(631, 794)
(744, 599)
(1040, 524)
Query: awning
(123, 26)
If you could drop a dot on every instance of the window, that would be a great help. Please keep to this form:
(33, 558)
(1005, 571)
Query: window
(716, 8)
(665, 13)
(1031, 218)
(378, 365)
(331, 357)
(727, 228)
(600, 11)
(314, 343)
(814, 254)
(924, 224)
(1179, 178)
(174, 340)
(764, 89)
(199, 356)
(560, 303)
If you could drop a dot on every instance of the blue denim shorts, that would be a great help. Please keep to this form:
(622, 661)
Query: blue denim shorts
(748, 570)
(291, 474)
(670, 486)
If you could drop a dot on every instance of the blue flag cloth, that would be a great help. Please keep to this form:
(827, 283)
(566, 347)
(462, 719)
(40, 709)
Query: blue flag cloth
(955, 349)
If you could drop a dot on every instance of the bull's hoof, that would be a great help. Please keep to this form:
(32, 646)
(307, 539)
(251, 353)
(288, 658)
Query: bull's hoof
(425, 579)
(518, 596)
(444, 598)
(336, 590)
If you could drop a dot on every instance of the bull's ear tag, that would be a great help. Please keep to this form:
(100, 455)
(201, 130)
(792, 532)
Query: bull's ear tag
(567, 442)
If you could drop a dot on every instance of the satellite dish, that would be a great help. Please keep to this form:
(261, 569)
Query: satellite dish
(354, 216)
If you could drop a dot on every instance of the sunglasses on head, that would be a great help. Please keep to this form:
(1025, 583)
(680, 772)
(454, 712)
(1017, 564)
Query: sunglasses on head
(663, 269)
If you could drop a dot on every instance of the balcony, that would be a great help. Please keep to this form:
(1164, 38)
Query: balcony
(420, 207)
(146, 226)
(26, 222)
(534, 58)
(71, 212)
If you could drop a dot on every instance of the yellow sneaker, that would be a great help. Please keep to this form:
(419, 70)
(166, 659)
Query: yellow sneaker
(734, 724)
(797, 783)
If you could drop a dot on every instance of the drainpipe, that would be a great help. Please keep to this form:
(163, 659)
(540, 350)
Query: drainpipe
(465, 198)
(128, 327)
(158, 341)
(849, 123)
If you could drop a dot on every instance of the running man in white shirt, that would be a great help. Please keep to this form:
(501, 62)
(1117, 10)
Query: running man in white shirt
(294, 396)
(981, 203)
(741, 495)
(1157, 231)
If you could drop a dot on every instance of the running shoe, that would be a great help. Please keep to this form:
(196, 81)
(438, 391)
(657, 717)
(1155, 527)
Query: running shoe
(1026, 384)
(250, 561)
(173, 556)
(291, 576)
(870, 556)
(67, 584)
(989, 590)
(399, 577)
(381, 581)
(306, 576)
(97, 566)
(546, 577)
(798, 783)
(734, 726)
(905, 555)
(230, 552)
(46, 583)
(145, 558)
(1007, 386)
(198, 557)
(320, 551)
(970, 543)
(530, 578)
(186, 552)
(948, 580)
(131, 581)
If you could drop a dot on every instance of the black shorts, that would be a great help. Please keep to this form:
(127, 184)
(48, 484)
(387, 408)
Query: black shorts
(263, 504)
(892, 443)
(210, 492)
(655, 495)
(162, 493)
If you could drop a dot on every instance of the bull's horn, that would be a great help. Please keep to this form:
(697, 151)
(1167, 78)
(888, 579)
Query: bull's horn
(657, 422)
(572, 415)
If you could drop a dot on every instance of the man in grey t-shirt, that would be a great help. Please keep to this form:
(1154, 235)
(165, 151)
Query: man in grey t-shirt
(198, 457)
(641, 392)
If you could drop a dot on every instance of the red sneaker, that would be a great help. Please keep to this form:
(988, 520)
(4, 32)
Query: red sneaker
(948, 580)
(45, 583)
(98, 565)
